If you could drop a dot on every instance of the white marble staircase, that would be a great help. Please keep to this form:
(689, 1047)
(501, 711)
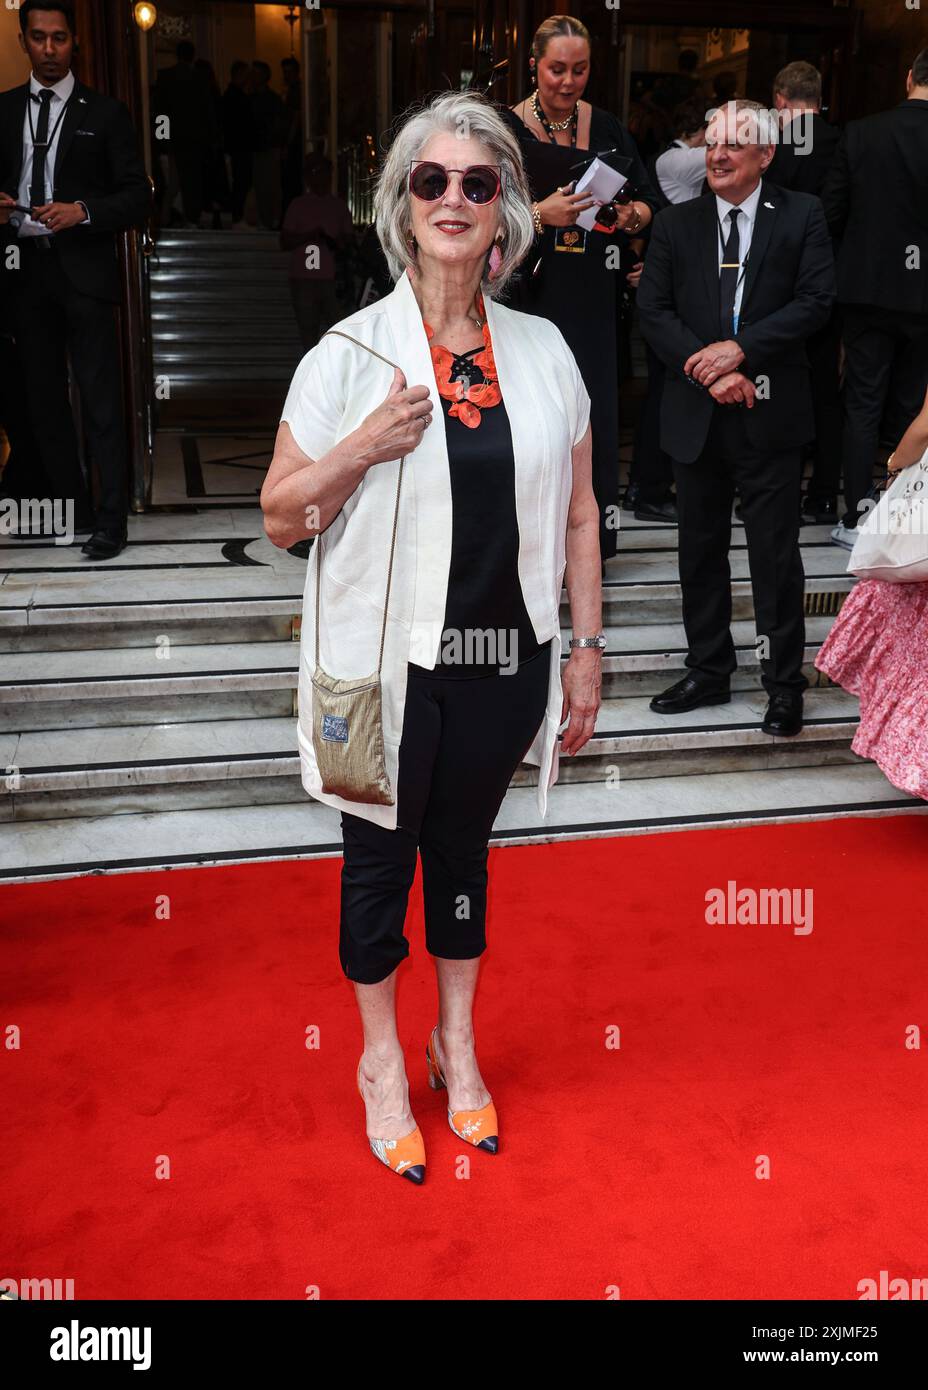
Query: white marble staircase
(220, 312)
(147, 708)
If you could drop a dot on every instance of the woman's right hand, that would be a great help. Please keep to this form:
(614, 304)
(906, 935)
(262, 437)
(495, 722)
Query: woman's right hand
(561, 209)
(396, 427)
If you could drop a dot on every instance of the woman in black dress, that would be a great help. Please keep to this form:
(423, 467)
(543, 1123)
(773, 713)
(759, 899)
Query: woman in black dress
(578, 283)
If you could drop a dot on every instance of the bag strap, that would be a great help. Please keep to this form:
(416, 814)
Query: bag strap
(317, 543)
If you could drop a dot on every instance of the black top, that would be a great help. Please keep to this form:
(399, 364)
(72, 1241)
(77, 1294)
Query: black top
(486, 624)
(578, 289)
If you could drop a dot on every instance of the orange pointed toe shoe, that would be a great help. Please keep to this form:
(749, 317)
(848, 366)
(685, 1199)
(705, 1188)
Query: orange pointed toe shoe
(477, 1127)
(405, 1156)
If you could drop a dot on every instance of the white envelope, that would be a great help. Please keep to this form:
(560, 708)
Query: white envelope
(602, 182)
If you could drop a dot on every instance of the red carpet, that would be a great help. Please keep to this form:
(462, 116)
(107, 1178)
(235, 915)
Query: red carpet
(634, 1168)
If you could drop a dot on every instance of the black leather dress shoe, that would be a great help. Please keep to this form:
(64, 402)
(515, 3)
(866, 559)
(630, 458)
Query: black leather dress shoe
(630, 500)
(665, 512)
(104, 544)
(690, 693)
(784, 716)
(820, 512)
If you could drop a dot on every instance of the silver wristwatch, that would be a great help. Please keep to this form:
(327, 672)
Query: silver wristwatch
(599, 641)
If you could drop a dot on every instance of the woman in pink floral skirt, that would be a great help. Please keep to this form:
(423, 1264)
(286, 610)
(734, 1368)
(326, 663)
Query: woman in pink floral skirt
(878, 650)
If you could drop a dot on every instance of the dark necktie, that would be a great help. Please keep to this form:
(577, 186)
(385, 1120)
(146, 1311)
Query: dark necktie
(728, 277)
(39, 151)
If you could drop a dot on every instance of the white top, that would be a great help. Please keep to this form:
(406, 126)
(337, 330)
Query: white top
(748, 211)
(335, 387)
(680, 171)
(60, 91)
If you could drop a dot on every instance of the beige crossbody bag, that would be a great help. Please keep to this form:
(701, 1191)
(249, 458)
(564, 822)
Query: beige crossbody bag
(348, 714)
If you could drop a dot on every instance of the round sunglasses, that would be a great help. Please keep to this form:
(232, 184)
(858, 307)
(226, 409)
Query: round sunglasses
(480, 183)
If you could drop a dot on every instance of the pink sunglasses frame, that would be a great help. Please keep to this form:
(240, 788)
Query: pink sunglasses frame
(418, 164)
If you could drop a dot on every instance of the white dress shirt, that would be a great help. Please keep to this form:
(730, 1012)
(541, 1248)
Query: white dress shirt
(680, 171)
(61, 91)
(748, 210)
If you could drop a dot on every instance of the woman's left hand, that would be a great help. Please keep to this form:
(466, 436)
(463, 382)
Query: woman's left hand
(580, 680)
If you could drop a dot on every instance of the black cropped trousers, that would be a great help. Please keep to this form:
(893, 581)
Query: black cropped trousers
(462, 740)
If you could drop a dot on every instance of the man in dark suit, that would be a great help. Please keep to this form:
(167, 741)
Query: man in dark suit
(806, 147)
(802, 161)
(876, 201)
(734, 283)
(70, 155)
(238, 127)
(181, 95)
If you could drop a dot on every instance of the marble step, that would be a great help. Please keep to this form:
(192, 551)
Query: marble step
(159, 539)
(283, 355)
(149, 841)
(189, 378)
(218, 245)
(173, 283)
(201, 340)
(52, 601)
(74, 688)
(175, 275)
(191, 539)
(77, 772)
(197, 589)
(276, 616)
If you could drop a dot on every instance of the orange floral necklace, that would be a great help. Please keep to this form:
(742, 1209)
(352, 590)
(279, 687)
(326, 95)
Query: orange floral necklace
(468, 397)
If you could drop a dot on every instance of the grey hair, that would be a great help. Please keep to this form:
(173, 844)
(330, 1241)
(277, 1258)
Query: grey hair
(469, 116)
(764, 121)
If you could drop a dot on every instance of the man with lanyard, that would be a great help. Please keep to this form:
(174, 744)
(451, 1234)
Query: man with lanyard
(733, 285)
(71, 177)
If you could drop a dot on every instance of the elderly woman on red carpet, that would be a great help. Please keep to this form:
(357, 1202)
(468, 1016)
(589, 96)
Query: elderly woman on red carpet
(495, 506)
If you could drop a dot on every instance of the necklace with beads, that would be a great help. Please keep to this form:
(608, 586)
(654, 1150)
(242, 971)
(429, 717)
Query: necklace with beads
(454, 380)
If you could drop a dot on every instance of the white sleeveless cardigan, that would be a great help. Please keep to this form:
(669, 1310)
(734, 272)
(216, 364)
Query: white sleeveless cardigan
(334, 388)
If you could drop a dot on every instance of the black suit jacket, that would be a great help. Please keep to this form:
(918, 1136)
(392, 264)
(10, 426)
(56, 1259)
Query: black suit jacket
(789, 289)
(805, 173)
(181, 94)
(97, 162)
(876, 202)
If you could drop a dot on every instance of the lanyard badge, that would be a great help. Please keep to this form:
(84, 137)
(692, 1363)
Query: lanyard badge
(570, 239)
